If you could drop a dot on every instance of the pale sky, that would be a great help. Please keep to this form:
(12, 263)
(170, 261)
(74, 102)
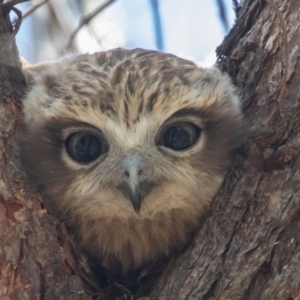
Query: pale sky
(191, 28)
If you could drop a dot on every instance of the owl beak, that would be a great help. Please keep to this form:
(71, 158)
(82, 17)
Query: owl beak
(132, 191)
(133, 187)
(135, 196)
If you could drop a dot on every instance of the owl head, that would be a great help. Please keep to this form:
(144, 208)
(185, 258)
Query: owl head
(129, 147)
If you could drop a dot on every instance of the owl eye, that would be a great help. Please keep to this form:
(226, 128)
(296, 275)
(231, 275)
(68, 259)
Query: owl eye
(83, 147)
(181, 136)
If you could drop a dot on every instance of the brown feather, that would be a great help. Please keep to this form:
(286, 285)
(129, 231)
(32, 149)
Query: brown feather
(129, 97)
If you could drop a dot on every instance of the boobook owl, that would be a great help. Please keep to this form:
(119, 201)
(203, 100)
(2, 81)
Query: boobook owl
(129, 147)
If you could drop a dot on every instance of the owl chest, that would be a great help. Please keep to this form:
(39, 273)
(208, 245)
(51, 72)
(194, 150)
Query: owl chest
(131, 243)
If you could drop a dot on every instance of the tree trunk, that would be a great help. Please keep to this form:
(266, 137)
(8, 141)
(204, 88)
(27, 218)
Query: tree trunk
(31, 259)
(248, 246)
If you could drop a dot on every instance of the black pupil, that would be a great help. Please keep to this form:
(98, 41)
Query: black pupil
(177, 138)
(87, 148)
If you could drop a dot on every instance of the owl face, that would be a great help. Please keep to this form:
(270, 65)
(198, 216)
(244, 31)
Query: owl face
(129, 147)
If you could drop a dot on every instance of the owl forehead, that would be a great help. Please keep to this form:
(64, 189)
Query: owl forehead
(125, 85)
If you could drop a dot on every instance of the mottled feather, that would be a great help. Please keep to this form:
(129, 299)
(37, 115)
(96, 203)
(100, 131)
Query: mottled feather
(129, 97)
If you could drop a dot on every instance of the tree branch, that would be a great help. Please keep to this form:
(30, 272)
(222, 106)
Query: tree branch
(34, 7)
(11, 36)
(157, 25)
(223, 15)
(85, 20)
(14, 2)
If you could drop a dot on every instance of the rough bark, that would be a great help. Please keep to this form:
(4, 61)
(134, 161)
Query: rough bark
(248, 246)
(31, 259)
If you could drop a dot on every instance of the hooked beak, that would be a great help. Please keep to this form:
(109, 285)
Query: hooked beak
(132, 192)
(134, 187)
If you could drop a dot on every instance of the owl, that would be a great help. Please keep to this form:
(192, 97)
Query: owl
(128, 147)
